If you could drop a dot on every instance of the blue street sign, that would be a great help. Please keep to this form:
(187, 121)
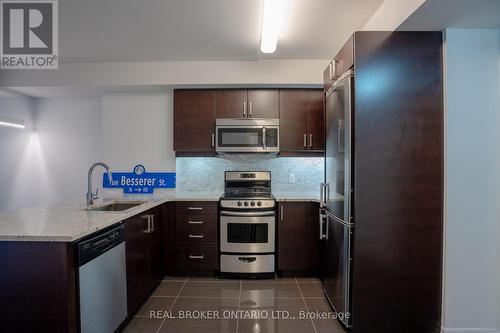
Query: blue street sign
(139, 181)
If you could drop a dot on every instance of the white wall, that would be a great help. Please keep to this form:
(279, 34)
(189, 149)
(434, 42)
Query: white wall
(138, 129)
(498, 201)
(391, 14)
(472, 148)
(17, 153)
(48, 161)
(168, 73)
(70, 137)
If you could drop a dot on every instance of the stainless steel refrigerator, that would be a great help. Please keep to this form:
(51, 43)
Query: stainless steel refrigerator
(382, 197)
(336, 222)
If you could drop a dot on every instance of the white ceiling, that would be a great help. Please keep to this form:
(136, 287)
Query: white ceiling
(442, 14)
(191, 30)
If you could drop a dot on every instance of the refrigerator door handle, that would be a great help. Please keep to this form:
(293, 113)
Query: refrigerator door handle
(321, 194)
(322, 218)
(338, 220)
(325, 236)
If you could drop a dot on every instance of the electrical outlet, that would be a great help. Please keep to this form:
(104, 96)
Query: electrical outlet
(291, 178)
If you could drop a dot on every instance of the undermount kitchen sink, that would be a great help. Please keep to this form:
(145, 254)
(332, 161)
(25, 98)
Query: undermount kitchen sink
(115, 206)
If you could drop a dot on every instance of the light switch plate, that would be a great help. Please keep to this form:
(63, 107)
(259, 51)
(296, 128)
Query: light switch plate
(291, 178)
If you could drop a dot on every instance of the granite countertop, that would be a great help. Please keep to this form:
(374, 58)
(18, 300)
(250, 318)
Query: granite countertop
(297, 196)
(70, 222)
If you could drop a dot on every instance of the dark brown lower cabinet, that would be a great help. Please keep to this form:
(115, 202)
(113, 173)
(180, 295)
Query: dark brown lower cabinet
(37, 287)
(298, 237)
(169, 238)
(137, 262)
(196, 238)
(156, 269)
(144, 256)
(197, 258)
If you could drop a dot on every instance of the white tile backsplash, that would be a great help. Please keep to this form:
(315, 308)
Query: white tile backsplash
(207, 173)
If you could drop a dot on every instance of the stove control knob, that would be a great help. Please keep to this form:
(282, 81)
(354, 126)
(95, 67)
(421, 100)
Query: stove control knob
(252, 203)
(240, 203)
(259, 203)
(246, 203)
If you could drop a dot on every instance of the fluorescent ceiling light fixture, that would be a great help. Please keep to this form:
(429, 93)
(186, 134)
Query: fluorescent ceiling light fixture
(12, 122)
(275, 14)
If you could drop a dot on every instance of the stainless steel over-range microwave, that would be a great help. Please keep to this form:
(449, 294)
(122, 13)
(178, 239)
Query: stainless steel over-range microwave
(247, 135)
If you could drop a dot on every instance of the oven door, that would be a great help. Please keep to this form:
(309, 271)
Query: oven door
(247, 232)
(251, 139)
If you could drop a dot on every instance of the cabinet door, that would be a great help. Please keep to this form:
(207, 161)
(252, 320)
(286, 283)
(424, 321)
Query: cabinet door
(312, 236)
(232, 103)
(169, 237)
(155, 255)
(263, 103)
(137, 262)
(315, 120)
(194, 121)
(292, 237)
(293, 119)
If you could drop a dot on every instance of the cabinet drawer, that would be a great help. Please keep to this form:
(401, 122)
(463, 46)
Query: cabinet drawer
(197, 235)
(196, 208)
(197, 256)
(196, 221)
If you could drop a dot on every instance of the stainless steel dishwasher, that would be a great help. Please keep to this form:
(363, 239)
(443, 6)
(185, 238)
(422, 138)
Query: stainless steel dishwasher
(102, 281)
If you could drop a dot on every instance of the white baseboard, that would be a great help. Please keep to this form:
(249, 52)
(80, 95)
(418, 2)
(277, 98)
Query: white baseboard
(468, 330)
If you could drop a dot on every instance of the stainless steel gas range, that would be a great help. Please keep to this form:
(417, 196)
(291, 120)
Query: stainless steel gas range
(247, 225)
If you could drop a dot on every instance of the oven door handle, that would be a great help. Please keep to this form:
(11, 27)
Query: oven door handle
(247, 214)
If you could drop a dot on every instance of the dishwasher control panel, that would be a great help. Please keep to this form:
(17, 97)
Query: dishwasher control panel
(94, 245)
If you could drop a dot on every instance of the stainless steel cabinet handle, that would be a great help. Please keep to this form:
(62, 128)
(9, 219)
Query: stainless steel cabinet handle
(152, 223)
(148, 218)
(310, 140)
(195, 222)
(194, 256)
(281, 213)
(244, 109)
(327, 192)
(263, 137)
(195, 236)
(249, 109)
(305, 140)
(332, 69)
(195, 208)
(213, 140)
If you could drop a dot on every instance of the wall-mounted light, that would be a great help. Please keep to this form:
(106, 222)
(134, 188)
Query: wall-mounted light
(12, 122)
(275, 14)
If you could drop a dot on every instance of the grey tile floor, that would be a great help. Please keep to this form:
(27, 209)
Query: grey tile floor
(211, 305)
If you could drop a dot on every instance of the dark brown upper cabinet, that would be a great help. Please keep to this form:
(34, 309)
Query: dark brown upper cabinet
(231, 103)
(194, 122)
(315, 120)
(302, 125)
(247, 103)
(343, 61)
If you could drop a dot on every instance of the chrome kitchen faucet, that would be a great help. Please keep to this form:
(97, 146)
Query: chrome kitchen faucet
(93, 196)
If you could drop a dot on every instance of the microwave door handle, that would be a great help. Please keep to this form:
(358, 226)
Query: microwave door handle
(264, 137)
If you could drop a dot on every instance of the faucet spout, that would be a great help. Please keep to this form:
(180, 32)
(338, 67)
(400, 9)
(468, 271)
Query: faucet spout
(90, 195)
